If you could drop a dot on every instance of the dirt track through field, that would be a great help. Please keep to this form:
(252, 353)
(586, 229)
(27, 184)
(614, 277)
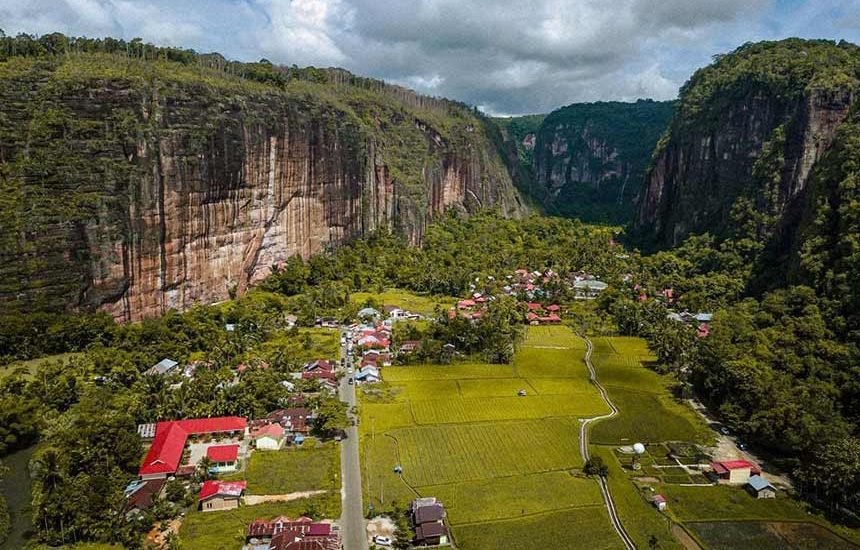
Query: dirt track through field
(583, 447)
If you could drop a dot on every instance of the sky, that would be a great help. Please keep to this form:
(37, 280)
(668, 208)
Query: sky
(506, 57)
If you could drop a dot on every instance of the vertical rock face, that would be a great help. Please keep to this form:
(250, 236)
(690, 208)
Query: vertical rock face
(748, 133)
(591, 157)
(136, 197)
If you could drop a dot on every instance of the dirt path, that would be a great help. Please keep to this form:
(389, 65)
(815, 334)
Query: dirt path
(251, 500)
(583, 448)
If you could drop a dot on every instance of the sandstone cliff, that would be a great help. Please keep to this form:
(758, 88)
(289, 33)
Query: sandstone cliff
(135, 186)
(747, 134)
(590, 158)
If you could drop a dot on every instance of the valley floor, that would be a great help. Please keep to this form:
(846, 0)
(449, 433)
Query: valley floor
(508, 468)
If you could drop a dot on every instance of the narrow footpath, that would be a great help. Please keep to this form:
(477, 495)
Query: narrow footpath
(583, 447)
(353, 531)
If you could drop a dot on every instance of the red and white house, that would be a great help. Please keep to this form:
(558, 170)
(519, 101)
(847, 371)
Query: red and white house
(220, 495)
(165, 455)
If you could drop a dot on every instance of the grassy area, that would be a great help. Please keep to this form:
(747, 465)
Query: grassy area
(726, 535)
(499, 498)
(226, 529)
(291, 470)
(640, 519)
(307, 345)
(722, 502)
(486, 409)
(447, 372)
(433, 455)
(409, 301)
(573, 528)
(461, 433)
(28, 368)
(648, 418)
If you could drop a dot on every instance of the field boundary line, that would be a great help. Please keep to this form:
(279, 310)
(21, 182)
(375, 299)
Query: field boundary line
(400, 463)
(583, 445)
(526, 516)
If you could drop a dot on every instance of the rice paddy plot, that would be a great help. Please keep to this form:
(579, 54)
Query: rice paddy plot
(647, 418)
(561, 386)
(553, 336)
(447, 372)
(487, 409)
(423, 389)
(625, 371)
(498, 387)
(381, 484)
(576, 528)
(727, 535)
(512, 497)
(552, 363)
(433, 455)
(381, 417)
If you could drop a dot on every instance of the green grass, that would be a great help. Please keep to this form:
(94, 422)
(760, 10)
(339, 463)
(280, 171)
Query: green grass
(447, 372)
(486, 409)
(499, 498)
(554, 335)
(225, 530)
(627, 372)
(561, 386)
(727, 535)
(499, 387)
(640, 519)
(382, 417)
(291, 470)
(423, 389)
(572, 528)
(648, 418)
(722, 502)
(28, 368)
(409, 301)
(325, 344)
(382, 486)
(433, 455)
(551, 363)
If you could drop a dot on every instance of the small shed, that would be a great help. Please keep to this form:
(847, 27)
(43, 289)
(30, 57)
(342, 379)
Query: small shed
(659, 502)
(759, 487)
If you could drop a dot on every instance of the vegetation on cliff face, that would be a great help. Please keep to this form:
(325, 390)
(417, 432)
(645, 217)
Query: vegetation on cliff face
(746, 135)
(591, 157)
(97, 136)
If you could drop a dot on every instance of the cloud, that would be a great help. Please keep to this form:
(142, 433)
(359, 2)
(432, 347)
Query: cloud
(504, 55)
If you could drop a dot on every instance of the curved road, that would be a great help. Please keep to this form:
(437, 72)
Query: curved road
(583, 447)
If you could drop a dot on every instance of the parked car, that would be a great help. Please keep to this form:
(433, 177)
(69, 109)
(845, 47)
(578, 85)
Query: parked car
(351, 381)
(725, 431)
(350, 370)
(382, 541)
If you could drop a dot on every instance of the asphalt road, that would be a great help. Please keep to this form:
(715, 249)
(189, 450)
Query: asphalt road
(353, 530)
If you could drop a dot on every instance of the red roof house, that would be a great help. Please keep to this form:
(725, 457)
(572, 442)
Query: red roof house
(221, 495)
(223, 453)
(165, 454)
(553, 308)
(533, 306)
(465, 304)
(734, 471)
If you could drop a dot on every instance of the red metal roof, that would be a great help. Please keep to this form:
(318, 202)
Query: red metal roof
(272, 430)
(533, 306)
(165, 454)
(728, 465)
(223, 453)
(214, 488)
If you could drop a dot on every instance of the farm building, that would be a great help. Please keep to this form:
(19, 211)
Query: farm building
(428, 521)
(221, 495)
(163, 367)
(759, 487)
(659, 502)
(734, 471)
(165, 455)
(224, 458)
(269, 437)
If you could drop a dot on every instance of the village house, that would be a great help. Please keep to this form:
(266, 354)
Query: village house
(223, 458)
(269, 437)
(368, 375)
(165, 455)
(295, 420)
(162, 368)
(139, 495)
(759, 487)
(283, 533)
(220, 495)
(734, 471)
(410, 346)
(428, 522)
(659, 502)
(588, 288)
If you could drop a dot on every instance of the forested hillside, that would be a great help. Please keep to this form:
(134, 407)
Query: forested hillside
(591, 157)
(136, 179)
